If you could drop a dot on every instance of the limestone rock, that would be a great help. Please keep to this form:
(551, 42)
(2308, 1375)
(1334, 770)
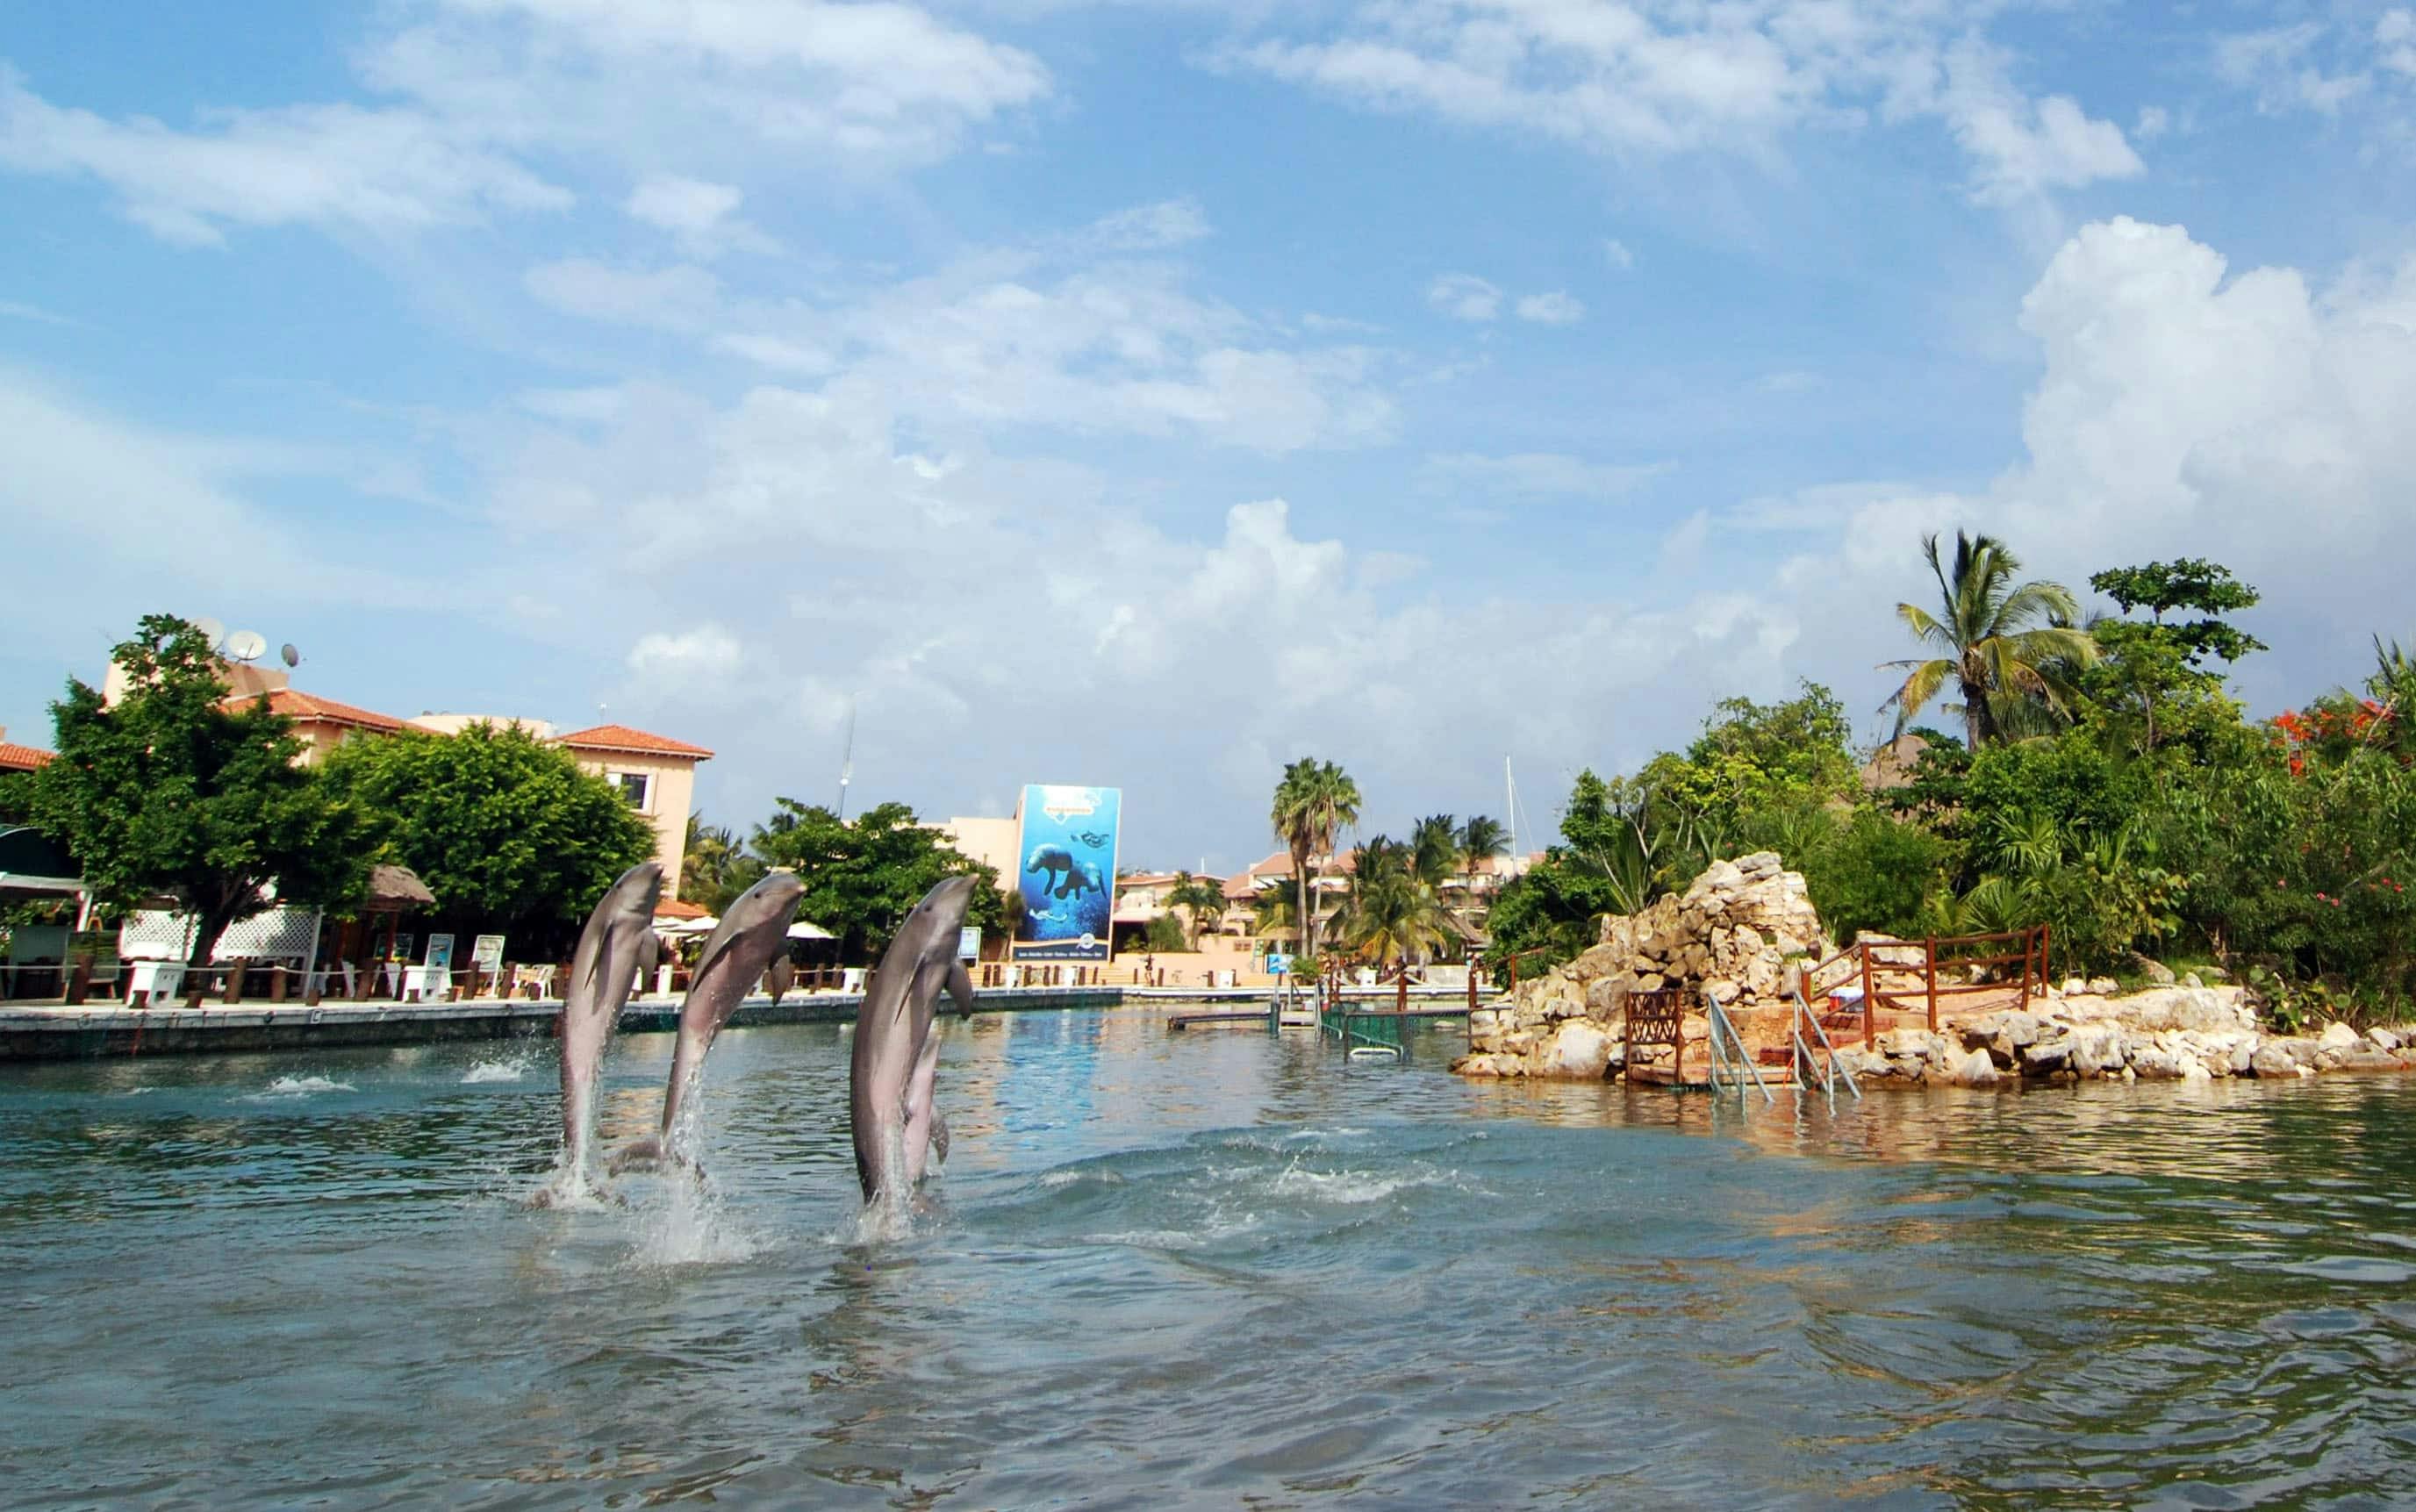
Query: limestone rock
(1580, 1052)
(2337, 1037)
(2271, 1060)
(1974, 1069)
(2384, 1040)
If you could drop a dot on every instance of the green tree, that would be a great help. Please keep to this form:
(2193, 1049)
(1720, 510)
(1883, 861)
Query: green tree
(862, 876)
(1753, 761)
(2148, 665)
(500, 824)
(2000, 640)
(1202, 903)
(1314, 802)
(179, 791)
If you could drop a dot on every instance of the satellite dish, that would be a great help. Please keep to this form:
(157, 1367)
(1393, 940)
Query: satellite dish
(246, 646)
(288, 655)
(212, 631)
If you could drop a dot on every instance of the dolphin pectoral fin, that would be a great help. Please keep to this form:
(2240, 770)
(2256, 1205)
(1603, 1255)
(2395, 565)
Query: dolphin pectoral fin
(960, 986)
(938, 1135)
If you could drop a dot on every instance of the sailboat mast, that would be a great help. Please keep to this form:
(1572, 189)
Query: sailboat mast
(1510, 795)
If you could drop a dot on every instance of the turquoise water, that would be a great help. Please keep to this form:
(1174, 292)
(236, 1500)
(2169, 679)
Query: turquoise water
(1213, 1269)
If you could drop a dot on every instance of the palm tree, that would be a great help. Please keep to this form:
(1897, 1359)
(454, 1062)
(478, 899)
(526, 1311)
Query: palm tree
(1392, 912)
(2000, 638)
(1201, 903)
(1479, 837)
(1272, 914)
(1434, 848)
(1315, 801)
(712, 854)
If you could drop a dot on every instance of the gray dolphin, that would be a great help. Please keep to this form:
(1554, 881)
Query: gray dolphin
(619, 938)
(895, 1061)
(752, 930)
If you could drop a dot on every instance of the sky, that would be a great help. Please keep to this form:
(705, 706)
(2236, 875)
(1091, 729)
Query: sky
(1145, 393)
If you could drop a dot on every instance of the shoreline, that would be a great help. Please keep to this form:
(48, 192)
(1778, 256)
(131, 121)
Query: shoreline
(30, 1032)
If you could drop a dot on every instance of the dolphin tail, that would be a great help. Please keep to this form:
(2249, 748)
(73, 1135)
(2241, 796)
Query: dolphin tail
(938, 1135)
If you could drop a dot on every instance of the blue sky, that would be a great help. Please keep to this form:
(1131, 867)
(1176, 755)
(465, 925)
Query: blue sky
(1147, 393)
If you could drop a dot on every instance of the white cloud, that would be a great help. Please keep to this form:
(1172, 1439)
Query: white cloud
(1558, 308)
(677, 298)
(1151, 228)
(2280, 64)
(1465, 296)
(327, 165)
(676, 664)
(477, 92)
(1653, 80)
(867, 86)
(1539, 475)
(1616, 253)
(2154, 122)
(12, 310)
(701, 217)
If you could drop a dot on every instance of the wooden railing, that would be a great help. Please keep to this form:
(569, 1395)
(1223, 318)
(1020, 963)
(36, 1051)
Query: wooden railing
(1878, 975)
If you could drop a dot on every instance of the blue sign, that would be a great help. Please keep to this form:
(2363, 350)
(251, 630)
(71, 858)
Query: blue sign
(1067, 877)
(1279, 964)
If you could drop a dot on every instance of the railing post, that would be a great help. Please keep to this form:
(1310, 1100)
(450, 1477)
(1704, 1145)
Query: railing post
(232, 982)
(79, 981)
(1870, 1004)
(1401, 994)
(1930, 956)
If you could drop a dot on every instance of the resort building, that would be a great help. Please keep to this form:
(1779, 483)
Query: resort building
(15, 758)
(654, 773)
(1142, 898)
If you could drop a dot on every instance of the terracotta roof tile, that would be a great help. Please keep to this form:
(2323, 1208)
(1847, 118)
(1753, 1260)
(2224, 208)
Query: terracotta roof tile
(16, 757)
(621, 737)
(309, 708)
(676, 908)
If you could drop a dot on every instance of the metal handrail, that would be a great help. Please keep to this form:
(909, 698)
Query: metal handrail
(1718, 1018)
(1830, 1070)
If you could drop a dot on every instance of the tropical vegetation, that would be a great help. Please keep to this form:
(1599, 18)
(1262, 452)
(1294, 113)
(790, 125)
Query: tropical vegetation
(2105, 781)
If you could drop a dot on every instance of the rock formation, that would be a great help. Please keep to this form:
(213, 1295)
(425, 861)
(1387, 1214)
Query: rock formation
(1733, 934)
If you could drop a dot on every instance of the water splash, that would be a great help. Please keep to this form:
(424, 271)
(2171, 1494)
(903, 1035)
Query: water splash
(504, 1070)
(690, 1226)
(298, 1086)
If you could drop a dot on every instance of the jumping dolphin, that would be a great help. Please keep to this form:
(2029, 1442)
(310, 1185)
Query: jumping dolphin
(753, 930)
(618, 939)
(895, 1061)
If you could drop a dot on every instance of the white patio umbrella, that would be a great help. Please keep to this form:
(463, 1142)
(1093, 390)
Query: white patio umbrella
(681, 928)
(803, 930)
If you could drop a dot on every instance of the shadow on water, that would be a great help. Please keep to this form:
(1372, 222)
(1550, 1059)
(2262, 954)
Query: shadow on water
(1199, 1269)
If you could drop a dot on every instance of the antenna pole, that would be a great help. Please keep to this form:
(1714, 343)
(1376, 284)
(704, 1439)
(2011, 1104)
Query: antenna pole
(847, 764)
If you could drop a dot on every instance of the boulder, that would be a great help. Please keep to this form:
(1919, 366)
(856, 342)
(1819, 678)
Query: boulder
(1580, 1052)
(2383, 1039)
(2337, 1037)
(2271, 1060)
(1973, 1069)
(2155, 970)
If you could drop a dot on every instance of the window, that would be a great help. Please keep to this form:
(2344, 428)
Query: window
(637, 786)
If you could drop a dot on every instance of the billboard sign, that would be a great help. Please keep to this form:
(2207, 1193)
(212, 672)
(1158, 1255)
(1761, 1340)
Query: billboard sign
(1067, 877)
(969, 942)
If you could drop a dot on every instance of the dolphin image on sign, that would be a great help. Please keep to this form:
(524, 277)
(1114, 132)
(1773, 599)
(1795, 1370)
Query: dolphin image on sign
(753, 930)
(1080, 877)
(895, 1062)
(1055, 860)
(618, 940)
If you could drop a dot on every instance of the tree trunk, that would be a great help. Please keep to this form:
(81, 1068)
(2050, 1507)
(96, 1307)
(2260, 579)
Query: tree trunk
(1974, 717)
(212, 917)
(1302, 925)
